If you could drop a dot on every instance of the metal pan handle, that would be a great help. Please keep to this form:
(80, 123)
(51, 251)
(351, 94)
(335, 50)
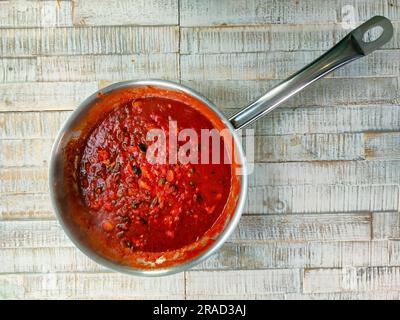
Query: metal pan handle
(348, 49)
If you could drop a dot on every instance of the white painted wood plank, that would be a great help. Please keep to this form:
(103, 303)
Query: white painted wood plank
(125, 12)
(310, 227)
(322, 199)
(23, 180)
(44, 95)
(239, 296)
(226, 12)
(267, 37)
(351, 279)
(17, 70)
(26, 206)
(325, 172)
(326, 92)
(330, 119)
(89, 286)
(46, 260)
(382, 146)
(108, 67)
(22, 13)
(248, 284)
(32, 152)
(386, 225)
(35, 125)
(394, 252)
(88, 40)
(276, 255)
(279, 65)
(32, 234)
(370, 295)
(308, 147)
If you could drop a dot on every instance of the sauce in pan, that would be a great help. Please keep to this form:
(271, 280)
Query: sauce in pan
(143, 213)
(150, 206)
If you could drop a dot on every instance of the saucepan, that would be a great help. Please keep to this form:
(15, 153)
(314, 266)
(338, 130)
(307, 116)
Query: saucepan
(356, 44)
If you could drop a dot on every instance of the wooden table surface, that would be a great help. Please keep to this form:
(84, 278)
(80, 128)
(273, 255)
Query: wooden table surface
(322, 219)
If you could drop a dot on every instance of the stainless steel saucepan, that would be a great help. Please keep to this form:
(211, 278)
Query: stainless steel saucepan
(355, 45)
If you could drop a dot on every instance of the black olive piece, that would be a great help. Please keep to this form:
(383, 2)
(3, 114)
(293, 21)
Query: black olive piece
(142, 147)
(143, 220)
(125, 219)
(198, 197)
(137, 170)
(128, 243)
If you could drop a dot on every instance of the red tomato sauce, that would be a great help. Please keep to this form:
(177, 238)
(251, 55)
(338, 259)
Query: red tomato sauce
(139, 206)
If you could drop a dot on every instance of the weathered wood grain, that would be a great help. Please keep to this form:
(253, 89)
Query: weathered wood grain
(279, 65)
(326, 92)
(17, 69)
(276, 255)
(322, 199)
(26, 206)
(273, 255)
(310, 227)
(44, 95)
(382, 146)
(44, 260)
(88, 40)
(239, 296)
(250, 283)
(34, 125)
(23, 13)
(226, 12)
(108, 67)
(370, 295)
(378, 118)
(32, 234)
(125, 12)
(394, 252)
(24, 180)
(351, 279)
(335, 172)
(29, 152)
(266, 37)
(385, 225)
(308, 147)
(313, 227)
(89, 286)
